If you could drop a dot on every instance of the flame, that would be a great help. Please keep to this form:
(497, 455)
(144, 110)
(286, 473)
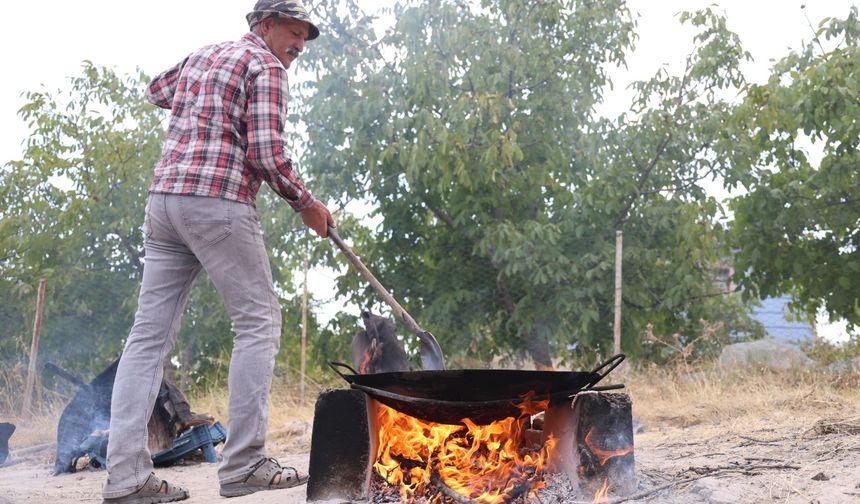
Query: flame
(602, 494)
(603, 456)
(362, 368)
(485, 463)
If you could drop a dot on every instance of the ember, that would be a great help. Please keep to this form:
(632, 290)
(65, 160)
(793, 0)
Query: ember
(603, 456)
(489, 463)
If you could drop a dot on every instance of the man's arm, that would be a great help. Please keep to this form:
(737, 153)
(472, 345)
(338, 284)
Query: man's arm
(266, 111)
(160, 91)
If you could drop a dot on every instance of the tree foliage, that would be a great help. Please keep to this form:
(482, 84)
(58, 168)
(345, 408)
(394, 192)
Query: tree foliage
(797, 228)
(471, 132)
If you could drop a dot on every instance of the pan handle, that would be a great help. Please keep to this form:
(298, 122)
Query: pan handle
(335, 365)
(601, 388)
(611, 363)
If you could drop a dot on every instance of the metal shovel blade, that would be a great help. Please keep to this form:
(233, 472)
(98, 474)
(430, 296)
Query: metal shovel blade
(431, 353)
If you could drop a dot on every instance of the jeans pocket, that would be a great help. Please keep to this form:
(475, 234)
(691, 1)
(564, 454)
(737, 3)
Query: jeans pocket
(207, 220)
(147, 221)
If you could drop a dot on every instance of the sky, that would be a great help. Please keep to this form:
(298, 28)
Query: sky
(46, 46)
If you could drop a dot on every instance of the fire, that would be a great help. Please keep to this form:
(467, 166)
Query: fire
(602, 495)
(603, 456)
(484, 463)
(362, 368)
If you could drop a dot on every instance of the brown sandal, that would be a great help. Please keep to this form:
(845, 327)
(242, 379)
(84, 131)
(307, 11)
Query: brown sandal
(261, 476)
(153, 491)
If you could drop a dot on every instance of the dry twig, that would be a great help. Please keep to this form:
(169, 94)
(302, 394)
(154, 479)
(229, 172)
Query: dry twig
(702, 472)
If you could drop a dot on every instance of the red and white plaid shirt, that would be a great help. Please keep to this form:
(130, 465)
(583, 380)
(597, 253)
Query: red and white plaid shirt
(228, 108)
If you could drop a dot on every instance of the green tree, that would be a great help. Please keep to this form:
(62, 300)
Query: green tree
(471, 131)
(797, 228)
(71, 212)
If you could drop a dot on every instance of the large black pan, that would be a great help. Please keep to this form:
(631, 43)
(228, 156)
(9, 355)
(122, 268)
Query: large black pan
(482, 395)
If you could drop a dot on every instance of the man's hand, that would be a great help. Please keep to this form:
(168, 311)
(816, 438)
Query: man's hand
(318, 218)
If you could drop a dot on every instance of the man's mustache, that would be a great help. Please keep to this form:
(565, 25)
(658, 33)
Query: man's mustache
(292, 51)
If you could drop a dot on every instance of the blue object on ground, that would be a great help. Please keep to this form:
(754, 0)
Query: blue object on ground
(200, 437)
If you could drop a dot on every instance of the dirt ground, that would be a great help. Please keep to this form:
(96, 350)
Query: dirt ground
(792, 462)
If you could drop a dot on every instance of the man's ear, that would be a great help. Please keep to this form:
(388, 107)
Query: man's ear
(265, 26)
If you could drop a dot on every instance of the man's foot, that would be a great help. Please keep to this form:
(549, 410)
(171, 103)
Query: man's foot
(267, 474)
(154, 491)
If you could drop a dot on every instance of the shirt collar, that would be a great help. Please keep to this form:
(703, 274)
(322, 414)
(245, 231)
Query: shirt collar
(256, 40)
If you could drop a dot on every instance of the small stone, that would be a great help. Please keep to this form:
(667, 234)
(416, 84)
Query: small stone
(821, 477)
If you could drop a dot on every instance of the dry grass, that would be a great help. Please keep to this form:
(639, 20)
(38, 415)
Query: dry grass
(676, 397)
(710, 395)
(39, 425)
(289, 417)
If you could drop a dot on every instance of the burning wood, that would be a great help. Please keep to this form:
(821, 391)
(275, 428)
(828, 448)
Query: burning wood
(494, 455)
(480, 463)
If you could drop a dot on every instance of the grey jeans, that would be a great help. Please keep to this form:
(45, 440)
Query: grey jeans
(184, 235)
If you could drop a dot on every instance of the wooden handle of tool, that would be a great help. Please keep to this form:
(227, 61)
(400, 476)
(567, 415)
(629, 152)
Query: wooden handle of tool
(399, 312)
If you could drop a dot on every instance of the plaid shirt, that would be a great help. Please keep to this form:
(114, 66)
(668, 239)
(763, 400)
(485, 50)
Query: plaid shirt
(228, 108)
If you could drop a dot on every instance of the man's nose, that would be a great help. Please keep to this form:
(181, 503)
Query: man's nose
(299, 45)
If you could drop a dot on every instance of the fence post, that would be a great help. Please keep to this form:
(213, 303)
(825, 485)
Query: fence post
(34, 349)
(617, 332)
(304, 335)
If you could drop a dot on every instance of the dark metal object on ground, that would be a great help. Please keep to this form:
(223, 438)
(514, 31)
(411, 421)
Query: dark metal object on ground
(594, 442)
(87, 412)
(482, 395)
(201, 437)
(6, 431)
(604, 440)
(95, 448)
(83, 426)
(343, 447)
(431, 353)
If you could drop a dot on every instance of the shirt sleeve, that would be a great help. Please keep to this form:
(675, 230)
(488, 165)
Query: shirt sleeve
(267, 115)
(162, 88)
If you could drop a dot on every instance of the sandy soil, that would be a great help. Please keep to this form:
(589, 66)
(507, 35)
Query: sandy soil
(728, 464)
(790, 462)
(31, 482)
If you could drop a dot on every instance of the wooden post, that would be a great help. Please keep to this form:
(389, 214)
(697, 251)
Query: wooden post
(34, 348)
(304, 335)
(618, 249)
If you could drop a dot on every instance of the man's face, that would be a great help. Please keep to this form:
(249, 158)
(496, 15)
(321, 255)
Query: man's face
(285, 38)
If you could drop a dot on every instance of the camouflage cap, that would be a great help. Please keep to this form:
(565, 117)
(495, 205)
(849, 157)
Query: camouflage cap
(282, 8)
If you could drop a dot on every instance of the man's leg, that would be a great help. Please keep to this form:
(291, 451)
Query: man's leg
(238, 265)
(168, 273)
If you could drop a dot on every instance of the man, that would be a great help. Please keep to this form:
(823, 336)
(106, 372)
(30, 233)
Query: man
(228, 106)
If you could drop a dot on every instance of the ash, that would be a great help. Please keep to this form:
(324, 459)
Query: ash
(557, 490)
